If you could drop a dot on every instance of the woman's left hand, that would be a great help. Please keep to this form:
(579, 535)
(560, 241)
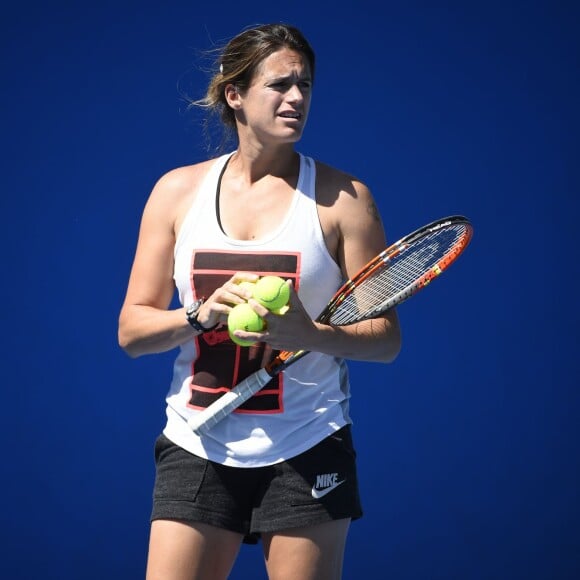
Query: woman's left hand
(293, 330)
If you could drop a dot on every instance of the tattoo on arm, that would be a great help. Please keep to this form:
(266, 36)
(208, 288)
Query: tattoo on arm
(373, 211)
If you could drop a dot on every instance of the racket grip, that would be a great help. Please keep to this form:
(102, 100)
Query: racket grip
(203, 421)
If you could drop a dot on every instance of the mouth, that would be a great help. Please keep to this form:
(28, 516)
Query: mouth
(290, 115)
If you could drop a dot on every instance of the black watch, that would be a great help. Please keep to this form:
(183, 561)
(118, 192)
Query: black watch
(191, 314)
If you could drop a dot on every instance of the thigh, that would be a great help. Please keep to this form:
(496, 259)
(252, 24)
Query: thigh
(180, 551)
(309, 553)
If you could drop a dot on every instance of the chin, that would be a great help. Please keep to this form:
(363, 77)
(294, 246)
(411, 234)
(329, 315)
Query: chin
(281, 137)
(293, 136)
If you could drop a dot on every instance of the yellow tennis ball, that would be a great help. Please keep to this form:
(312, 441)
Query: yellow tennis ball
(243, 317)
(272, 292)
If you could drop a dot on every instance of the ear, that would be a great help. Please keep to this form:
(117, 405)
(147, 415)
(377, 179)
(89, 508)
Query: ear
(233, 98)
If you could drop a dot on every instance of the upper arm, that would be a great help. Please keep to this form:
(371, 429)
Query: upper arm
(362, 234)
(362, 237)
(151, 280)
(351, 223)
(355, 235)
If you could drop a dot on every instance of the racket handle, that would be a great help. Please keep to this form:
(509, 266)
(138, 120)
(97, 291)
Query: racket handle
(203, 421)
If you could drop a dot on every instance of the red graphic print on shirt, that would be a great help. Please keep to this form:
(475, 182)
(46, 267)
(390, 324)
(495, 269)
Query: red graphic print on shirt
(221, 363)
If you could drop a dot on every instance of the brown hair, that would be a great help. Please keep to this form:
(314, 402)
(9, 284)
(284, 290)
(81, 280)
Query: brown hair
(241, 57)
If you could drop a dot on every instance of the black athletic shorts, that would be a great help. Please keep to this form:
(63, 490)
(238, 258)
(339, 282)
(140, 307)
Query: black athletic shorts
(314, 487)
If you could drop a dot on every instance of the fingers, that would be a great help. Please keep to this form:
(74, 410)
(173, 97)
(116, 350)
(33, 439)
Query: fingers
(244, 277)
(217, 306)
(233, 291)
(281, 330)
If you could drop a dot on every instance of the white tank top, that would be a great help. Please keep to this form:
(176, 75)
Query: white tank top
(307, 402)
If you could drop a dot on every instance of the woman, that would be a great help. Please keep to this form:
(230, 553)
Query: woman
(282, 467)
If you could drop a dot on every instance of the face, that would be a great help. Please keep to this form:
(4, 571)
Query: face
(275, 106)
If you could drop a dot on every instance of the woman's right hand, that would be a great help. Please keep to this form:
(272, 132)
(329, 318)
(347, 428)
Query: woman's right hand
(218, 305)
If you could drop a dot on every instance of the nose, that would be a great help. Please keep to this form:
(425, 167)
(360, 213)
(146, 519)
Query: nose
(295, 94)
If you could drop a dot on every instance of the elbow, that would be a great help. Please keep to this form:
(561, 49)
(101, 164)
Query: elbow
(128, 346)
(394, 343)
(392, 350)
(127, 338)
(383, 353)
(391, 354)
(130, 352)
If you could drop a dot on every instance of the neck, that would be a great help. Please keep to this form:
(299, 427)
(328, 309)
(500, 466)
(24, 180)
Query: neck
(255, 162)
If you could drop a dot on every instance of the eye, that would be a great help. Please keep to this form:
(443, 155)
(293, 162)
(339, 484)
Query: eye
(280, 85)
(284, 85)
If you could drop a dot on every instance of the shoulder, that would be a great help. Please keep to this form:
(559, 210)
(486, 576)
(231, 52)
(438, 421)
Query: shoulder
(333, 184)
(175, 190)
(182, 180)
(344, 194)
(349, 217)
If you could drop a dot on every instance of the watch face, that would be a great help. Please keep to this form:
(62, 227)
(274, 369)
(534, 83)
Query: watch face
(191, 314)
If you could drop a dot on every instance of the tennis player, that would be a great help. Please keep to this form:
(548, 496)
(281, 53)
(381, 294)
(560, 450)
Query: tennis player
(281, 469)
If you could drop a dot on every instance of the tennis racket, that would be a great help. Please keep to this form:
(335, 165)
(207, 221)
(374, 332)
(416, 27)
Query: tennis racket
(394, 275)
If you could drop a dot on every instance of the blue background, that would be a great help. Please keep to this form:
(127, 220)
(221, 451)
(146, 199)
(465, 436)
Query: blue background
(468, 443)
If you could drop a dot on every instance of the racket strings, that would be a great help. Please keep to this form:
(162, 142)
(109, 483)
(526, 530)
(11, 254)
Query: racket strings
(397, 275)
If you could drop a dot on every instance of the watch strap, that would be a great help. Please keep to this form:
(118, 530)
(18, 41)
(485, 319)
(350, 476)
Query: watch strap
(192, 313)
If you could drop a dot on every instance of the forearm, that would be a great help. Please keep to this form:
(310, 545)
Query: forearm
(375, 340)
(148, 330)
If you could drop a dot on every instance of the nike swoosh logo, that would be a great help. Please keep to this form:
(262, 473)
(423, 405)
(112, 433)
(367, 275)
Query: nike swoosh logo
(318, 493)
